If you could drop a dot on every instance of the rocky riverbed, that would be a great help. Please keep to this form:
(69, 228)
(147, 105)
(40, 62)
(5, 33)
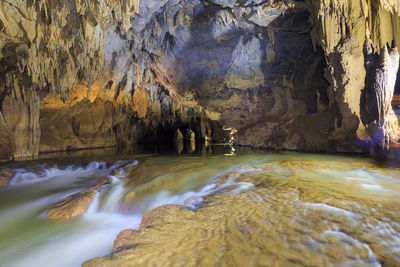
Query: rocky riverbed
(251, 208)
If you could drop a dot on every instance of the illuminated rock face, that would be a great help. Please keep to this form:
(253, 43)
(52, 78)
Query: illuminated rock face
(284, 74)
(352, 33)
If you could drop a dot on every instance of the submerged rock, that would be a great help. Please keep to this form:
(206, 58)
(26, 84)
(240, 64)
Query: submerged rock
(36, 170)
(6, 175)
(28, 174)
(8, 172)
(70, 207)
(128, 238)
(101, 182)
(4, 181)
(193, 202)
(292, 217)
(117, 172)
(77, 204)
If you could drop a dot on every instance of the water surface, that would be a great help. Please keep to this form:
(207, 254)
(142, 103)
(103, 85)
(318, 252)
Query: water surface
(254, 208)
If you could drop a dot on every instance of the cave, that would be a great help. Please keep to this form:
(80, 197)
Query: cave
(142, 115)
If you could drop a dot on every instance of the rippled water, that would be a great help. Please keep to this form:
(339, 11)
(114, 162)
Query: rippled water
(250, 209)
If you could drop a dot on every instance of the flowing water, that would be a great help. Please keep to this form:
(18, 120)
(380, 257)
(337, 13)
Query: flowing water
(251, 208)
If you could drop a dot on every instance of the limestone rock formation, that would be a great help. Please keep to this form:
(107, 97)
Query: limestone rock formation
(343, 29)
(285, 74)
(75, 72)
(71, 207)
(382, 123)
(117, 172)
(75, 205)
(5, 176)
(157, 214)
(178, 141)
(124, 239)
(127, 237)
(7, 145)
(4, 181)
(282, 221)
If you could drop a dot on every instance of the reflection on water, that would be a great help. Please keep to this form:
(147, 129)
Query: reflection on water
(247, 209)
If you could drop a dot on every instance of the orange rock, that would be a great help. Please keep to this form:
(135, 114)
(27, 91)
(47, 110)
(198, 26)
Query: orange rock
(140, 101)
(116, 172)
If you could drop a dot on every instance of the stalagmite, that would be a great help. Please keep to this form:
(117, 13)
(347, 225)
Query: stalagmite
(380, 91)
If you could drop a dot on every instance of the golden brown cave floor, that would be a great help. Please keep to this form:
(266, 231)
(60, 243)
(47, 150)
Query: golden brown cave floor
(291, 218)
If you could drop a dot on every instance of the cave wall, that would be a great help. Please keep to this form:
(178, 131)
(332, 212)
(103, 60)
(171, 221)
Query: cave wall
(356, 36)
(252, 67)
(280, 74)
(76, 74)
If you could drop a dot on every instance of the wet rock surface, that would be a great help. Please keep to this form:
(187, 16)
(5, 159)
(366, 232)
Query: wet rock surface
(125, 238)
(6, 175)
(77, 204)
(4, 181)
(70, 207)
(293, 216)
(252, 208)
(157, 214)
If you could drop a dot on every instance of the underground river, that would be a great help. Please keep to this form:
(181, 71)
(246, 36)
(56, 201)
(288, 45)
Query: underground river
(248, 208)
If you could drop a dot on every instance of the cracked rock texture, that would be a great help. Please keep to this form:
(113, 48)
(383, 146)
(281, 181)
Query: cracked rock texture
(285, 74)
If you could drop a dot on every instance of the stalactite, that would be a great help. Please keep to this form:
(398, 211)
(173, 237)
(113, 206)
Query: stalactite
(342, 28)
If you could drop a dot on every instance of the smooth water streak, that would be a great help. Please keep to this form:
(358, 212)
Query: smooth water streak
(325, 203)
